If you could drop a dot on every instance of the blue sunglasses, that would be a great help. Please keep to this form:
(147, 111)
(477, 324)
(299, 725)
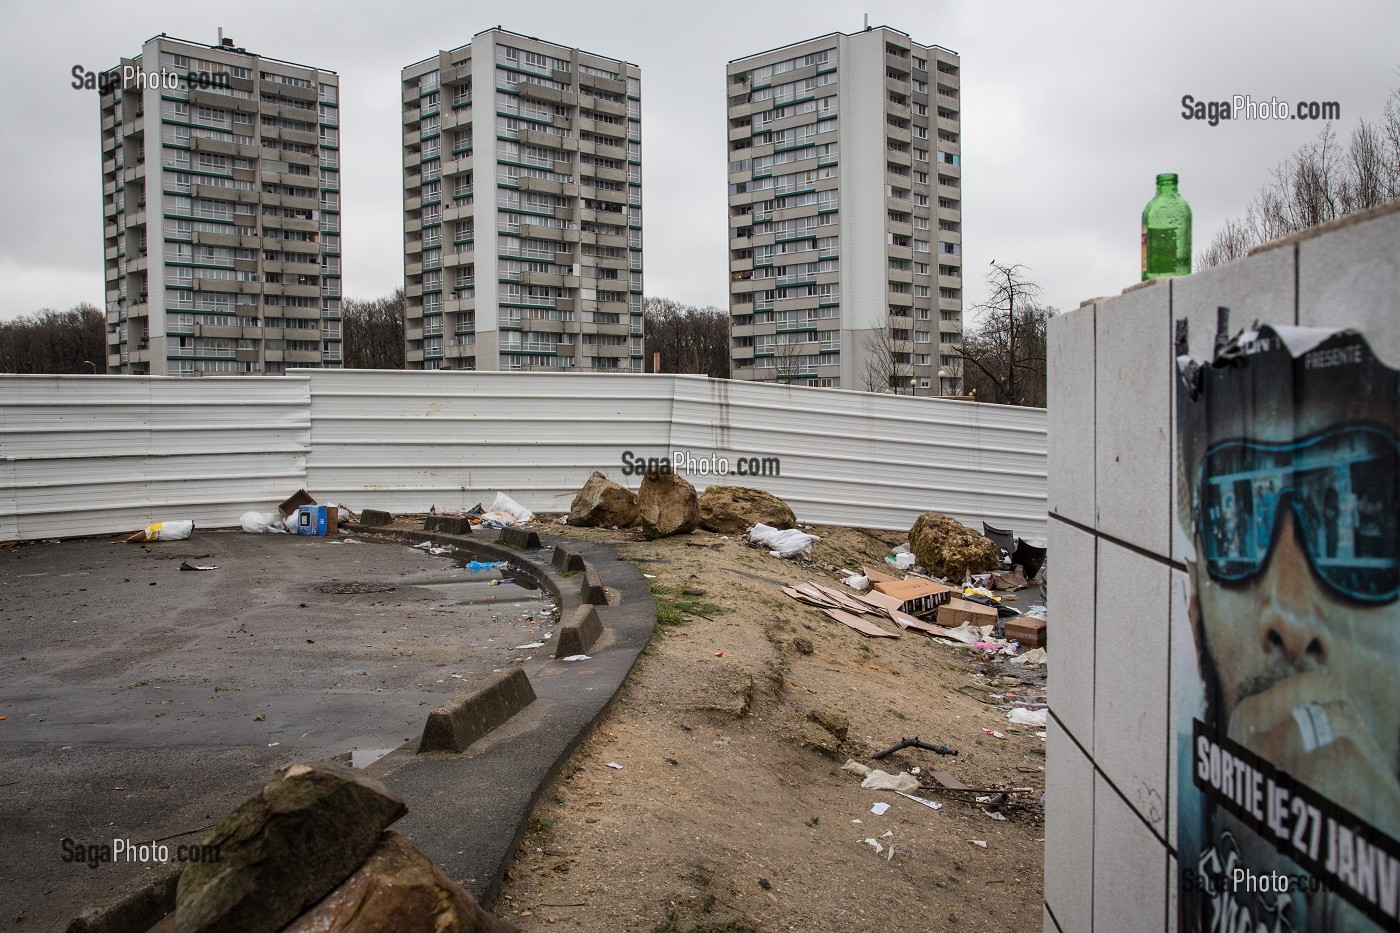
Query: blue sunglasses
(1341, 485)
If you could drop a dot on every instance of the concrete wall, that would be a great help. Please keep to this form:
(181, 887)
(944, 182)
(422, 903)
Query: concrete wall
(93, 455)
(1120, 580)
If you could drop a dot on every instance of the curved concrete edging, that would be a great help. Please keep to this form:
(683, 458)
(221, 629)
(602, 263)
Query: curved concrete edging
(468, 810)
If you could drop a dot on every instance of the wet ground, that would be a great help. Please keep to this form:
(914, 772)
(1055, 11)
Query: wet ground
(143, 702)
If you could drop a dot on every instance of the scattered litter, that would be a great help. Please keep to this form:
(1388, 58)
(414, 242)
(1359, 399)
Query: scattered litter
(887, 834)
(1027, 717)
(857, 581)
(477, 566)
(858, 821)
(994, 734)
(533, 644)
(649, 576)
(189, 566)
(856, 767)
(978, 842)
(164, 531)
(578, 657)
(1033, 658)
(273, 744)
(914, 743)
(931, 804)
(993, 814)
(879, 780)
(430, 548)
(262, 522)
(880, 808)
(864, 626)
(615, 765)
(878, 848)
(789, 543)
(506, 511)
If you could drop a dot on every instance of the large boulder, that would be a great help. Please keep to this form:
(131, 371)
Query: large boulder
(397, 888)
(667, 504)
(949, 549)
(731, 510)
(284, 848)
(601, 503)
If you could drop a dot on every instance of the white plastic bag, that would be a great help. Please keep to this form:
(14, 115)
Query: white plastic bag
(857, 581)
(262, 522)
(507, 511)
(167, 531)
(880, 780)
(789, 543)
(1027, 717)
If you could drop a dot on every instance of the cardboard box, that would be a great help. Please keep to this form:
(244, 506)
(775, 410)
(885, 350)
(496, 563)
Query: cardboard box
(297, 499)
(319, 520)
(1029, 632)
(916, 596)
(957, 611)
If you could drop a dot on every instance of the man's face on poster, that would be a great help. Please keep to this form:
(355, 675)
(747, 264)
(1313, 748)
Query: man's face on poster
(1290, 582)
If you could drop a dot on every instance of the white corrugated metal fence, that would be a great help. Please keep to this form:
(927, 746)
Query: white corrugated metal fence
(90, 455)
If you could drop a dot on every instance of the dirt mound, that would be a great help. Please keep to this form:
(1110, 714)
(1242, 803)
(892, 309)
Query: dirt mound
(949, 549)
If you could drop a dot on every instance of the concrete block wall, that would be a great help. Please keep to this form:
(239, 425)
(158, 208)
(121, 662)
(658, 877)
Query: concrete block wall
(1117, 554)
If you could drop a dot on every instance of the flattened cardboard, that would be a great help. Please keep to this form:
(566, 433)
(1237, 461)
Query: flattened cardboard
(879, 576)
(864, 626)
(957, 611)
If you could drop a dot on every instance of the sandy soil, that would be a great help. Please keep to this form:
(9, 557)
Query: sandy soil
(723, 816)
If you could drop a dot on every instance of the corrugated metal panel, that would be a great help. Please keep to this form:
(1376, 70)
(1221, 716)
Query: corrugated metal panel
(405, 441)
(89, 455)
(98, 454)
(878, 461)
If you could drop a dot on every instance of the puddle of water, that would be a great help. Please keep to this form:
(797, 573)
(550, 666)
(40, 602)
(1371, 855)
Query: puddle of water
(364, 757)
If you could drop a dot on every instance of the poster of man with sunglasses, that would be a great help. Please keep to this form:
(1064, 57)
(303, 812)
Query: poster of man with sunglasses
(1287, 656)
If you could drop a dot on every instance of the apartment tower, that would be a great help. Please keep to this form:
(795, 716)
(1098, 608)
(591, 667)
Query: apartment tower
(845, 214)
(221, 224)
(522, 208)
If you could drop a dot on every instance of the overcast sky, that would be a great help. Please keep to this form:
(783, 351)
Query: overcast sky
(1069, 111)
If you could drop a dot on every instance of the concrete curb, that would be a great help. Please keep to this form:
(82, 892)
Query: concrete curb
(459, 722)
(566, 561)
(580, 633)
(519, 538)
(594, 593)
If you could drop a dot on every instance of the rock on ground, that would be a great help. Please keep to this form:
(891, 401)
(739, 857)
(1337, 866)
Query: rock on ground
(397, 888)
(601, 503)
(730, 510)
(667, 505)
(284, 849)
(947, 548)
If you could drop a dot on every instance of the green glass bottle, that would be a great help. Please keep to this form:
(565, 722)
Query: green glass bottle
(1166, 232)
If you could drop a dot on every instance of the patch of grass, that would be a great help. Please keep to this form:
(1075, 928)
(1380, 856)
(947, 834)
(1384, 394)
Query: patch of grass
(672, 605)
(541, 826)
(139, 683)
(813, 821)
(898, 714)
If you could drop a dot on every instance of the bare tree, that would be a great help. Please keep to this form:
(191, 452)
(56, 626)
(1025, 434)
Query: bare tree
(1004, 358)
(49, 341)
(373, 336)
(888, 361)
(689, 339)
(1319, 182)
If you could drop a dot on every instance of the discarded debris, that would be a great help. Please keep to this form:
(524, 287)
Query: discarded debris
(787, 543)
(1027, 717)
(189, 566)
(914, 743)
(857, 581)
(994, 734)
(578, 657)
(931, 804)
(879, 780)
(262, 523)
(879, 808)
(855, 767)
(477, 566)
(993, 814)
(615, 765)
(163, 531)
(1033, 658)
(506, 511)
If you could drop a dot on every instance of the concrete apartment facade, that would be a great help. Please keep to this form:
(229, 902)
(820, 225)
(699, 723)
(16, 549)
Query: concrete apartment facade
(221, 212)
(522, 208)
(845, 214)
